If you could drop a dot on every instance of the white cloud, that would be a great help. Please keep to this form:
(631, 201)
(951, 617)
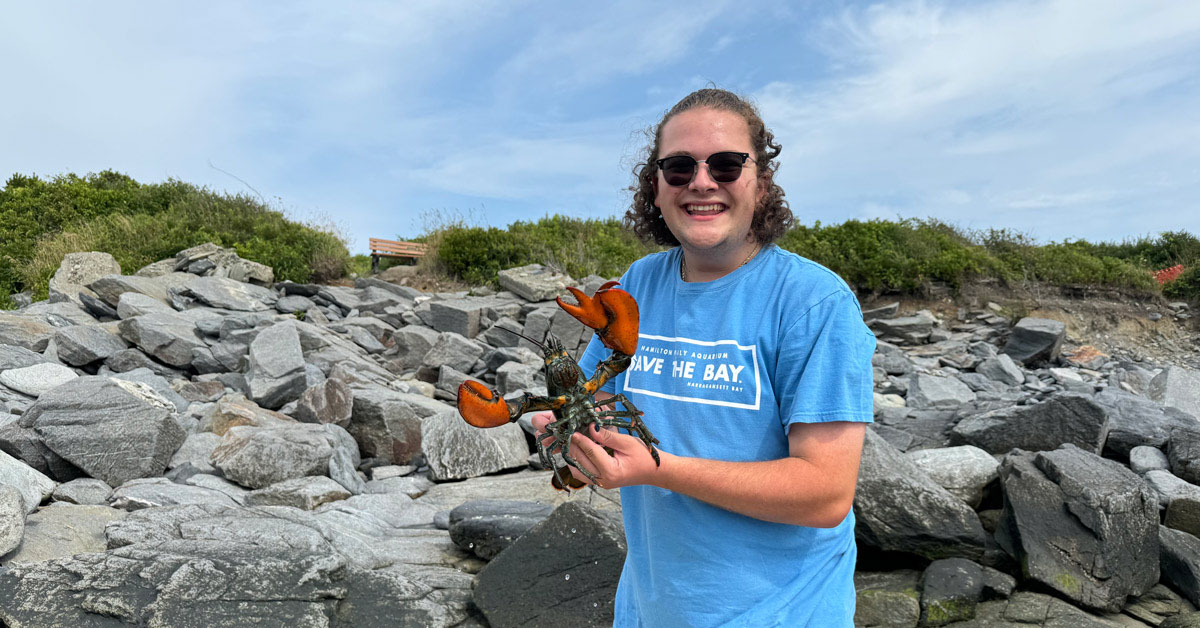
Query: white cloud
(1050, 98)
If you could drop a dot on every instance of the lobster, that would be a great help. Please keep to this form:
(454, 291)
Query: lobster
(613, 313)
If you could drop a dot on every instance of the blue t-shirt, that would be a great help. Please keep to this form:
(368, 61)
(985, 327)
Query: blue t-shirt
(722, 369)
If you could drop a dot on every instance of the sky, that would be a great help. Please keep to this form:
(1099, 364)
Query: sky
(1058, 119)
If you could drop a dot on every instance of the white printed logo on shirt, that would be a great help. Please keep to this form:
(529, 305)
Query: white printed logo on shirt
(719, 373)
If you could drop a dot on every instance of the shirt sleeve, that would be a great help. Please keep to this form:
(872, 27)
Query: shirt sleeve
(824, 368)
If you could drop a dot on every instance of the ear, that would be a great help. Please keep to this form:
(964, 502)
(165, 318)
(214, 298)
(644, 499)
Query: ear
(764, 185)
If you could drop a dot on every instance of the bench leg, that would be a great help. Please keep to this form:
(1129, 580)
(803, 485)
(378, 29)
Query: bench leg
(374, 264)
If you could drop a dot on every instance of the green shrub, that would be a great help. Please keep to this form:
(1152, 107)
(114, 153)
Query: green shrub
(1186, 286)
(139, 224)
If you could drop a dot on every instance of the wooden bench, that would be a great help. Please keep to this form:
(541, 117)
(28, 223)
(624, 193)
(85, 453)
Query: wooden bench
(391, 248)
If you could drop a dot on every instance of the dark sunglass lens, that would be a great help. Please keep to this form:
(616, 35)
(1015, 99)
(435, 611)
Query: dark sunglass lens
(725, 167)
(678, 170)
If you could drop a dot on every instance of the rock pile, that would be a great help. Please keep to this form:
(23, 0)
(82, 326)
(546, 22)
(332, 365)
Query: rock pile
(195, 445)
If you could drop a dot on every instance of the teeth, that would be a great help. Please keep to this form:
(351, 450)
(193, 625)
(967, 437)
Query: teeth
(700, 209)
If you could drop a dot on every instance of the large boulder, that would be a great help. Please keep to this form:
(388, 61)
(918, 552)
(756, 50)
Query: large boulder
(77, 270)
(1135, 421)
(229, 294)
(387, 423)
(12, 518)
(80, 345)
(60, 530)
(579, 553)
(534, 282)
(932, 392)
(1183, 453)
(964, 470)
(37, 379)
(455, 450)
(485, 527)
(900, 508)
(23, 332)
(1064, 418)
(1036, 340)
(1180, 562)
(1082, 525)
(276, 372)
(905, 330)
(257, 457)
(1177, 387)
(169, 338)
(33, 485)
(113, 429)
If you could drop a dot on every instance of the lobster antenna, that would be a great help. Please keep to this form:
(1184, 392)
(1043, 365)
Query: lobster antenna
(543, 347)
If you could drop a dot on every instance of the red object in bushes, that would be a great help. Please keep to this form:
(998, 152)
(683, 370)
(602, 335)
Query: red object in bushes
(1167, 275)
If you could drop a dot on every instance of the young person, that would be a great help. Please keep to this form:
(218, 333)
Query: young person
(753, 369)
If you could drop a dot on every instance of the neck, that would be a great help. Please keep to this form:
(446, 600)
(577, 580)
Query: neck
(709, 265)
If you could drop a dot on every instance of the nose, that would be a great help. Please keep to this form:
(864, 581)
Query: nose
(702, 182)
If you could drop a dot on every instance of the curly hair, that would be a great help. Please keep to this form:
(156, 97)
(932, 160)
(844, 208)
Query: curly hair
(772, 216)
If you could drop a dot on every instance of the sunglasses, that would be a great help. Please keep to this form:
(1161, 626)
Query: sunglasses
(723, 167)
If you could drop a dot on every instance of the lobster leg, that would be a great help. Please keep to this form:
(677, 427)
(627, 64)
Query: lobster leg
(629, 419)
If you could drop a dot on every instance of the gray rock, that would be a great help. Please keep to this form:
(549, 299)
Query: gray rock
(61, 530)
(575, 582)
(12, 518)
(1144, 458)
(83, 491)
(413, 485)
(156, 383)
(485, 527)
(114, 430)
(1135, 421)
(81, 345)
(133, 304)
(1036, 340)
(950, 589)
(1064, 418)
(157, 492)
(331, 401)
(169, 338)
(365, 339)
(1183, 452)
(196, 450)
(900, 508)
(1003, 369)
(110, 287)
(451, 350)
(257, 457)
(14, 357)
(306, 493)
(1177, 387)
(24, 332)
(906, 330)
(412, 343)
(387, 424)
(37, 379)
(1071, 498)
(293, 303)
(1183, 513)
(219, 485)
(460, 316)
(534, 282)
(230, 294)
(455, 450)
(276, 368)
(887, 599)
(77, 270)
(1180, 562)
(964, 471)
(515, 376)
(930, 391)
(1169, 488)
(237, 410)
(32, 484)
(132, 359)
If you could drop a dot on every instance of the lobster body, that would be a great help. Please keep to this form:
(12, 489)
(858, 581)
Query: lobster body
(613, 314)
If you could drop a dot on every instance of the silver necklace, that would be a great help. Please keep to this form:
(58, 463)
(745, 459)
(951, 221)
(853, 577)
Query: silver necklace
(683, 261)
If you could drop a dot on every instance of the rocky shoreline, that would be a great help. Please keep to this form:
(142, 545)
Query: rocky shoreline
(197, 445)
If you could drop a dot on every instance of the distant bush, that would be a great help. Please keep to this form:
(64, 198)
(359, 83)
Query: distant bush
(1186, 286)
(577, 246)
(41, 221)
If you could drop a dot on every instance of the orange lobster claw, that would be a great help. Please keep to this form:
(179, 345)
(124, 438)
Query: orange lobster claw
(481, 407)
(612, 312)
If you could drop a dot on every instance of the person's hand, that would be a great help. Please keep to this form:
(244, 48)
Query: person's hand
(540, 421)
(629, 464)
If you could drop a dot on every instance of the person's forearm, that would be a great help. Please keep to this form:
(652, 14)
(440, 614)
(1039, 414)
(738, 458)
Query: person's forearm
(790, 490)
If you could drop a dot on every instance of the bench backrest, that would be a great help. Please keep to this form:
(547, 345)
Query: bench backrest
(392, 247)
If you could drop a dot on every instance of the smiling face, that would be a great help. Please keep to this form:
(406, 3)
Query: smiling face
(709, 219)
